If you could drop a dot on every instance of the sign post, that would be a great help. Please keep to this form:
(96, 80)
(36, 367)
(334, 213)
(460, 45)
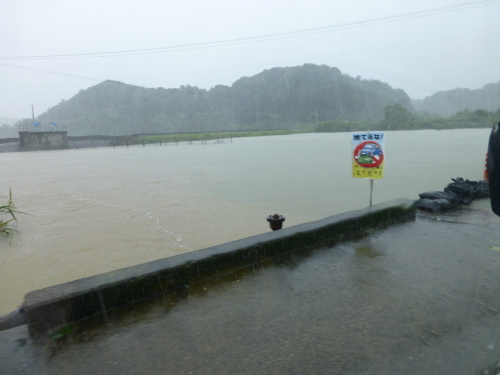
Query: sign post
(368, 156)
(371, 190)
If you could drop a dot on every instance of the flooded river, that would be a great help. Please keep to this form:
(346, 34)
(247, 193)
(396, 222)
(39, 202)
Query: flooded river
(97, 210)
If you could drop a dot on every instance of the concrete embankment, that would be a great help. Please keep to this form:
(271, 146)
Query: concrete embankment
(51, 309)
(418, 297)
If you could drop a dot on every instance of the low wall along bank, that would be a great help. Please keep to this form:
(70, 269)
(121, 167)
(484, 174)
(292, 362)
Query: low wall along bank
(51, 309)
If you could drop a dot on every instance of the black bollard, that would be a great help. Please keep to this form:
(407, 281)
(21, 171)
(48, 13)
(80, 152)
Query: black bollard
(276, 221)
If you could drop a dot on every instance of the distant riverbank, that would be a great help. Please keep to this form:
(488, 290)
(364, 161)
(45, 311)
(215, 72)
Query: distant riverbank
(93, 141)
(327, 127)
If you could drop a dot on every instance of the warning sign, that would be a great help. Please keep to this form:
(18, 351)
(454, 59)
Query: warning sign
(368, 155)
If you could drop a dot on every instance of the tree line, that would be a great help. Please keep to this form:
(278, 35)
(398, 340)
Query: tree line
(396, 117)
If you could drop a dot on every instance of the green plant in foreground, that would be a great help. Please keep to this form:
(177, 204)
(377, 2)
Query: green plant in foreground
(64, 331)
(10, 211)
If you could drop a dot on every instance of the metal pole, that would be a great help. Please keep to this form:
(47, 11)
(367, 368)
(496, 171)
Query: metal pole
(371, 190)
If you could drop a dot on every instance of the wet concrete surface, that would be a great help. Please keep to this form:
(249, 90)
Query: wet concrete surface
(416, 298)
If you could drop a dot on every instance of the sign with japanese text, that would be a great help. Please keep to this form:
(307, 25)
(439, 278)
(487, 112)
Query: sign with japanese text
(368, 155)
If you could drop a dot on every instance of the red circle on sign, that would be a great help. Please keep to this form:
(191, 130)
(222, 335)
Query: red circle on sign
(368, 154)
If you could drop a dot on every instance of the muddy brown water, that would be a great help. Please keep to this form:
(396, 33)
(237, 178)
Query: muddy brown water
(97, 210)
(415, 298)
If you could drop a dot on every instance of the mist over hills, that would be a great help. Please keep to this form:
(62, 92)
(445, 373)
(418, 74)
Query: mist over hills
(8, 128)
(8, 120)
(278, 98)
(447, 103)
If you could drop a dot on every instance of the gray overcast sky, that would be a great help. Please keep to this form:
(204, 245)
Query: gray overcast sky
(457, 47)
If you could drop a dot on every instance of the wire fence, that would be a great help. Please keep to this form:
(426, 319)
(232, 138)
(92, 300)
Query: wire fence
(143, 140)
(146, 139)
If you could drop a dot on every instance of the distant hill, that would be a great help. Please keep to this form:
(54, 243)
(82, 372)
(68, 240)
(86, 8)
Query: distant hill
(8, 129)
(8, 121)
(447, 103)
(279, 98)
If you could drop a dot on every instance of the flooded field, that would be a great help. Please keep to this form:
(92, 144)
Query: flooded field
(97, 210)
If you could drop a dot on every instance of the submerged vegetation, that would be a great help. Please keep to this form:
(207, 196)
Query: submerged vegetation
(9, 211)
(171, 138)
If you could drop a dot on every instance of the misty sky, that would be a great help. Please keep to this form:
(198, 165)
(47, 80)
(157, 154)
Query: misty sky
(456, 44)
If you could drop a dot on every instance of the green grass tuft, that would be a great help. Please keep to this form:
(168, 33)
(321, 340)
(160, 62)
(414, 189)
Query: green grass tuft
(10, 212)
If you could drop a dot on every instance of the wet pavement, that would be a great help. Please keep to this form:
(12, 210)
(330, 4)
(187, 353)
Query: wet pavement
(416, 298)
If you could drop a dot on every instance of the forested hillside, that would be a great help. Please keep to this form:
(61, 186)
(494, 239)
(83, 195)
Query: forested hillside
(279, 98)
(447, 103)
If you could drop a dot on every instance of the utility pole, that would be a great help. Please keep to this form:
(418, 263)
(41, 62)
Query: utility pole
(316, 113)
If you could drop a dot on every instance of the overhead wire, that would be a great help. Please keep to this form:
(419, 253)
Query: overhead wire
(284, 35)
(261, 38)
(49, 71)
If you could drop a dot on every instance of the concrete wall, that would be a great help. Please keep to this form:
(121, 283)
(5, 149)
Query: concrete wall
(9, 147)
(9, 140)
(53, 308)
(33, 141)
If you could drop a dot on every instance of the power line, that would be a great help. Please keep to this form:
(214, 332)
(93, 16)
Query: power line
(262, 38)
(49, 71)
(206, 71)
